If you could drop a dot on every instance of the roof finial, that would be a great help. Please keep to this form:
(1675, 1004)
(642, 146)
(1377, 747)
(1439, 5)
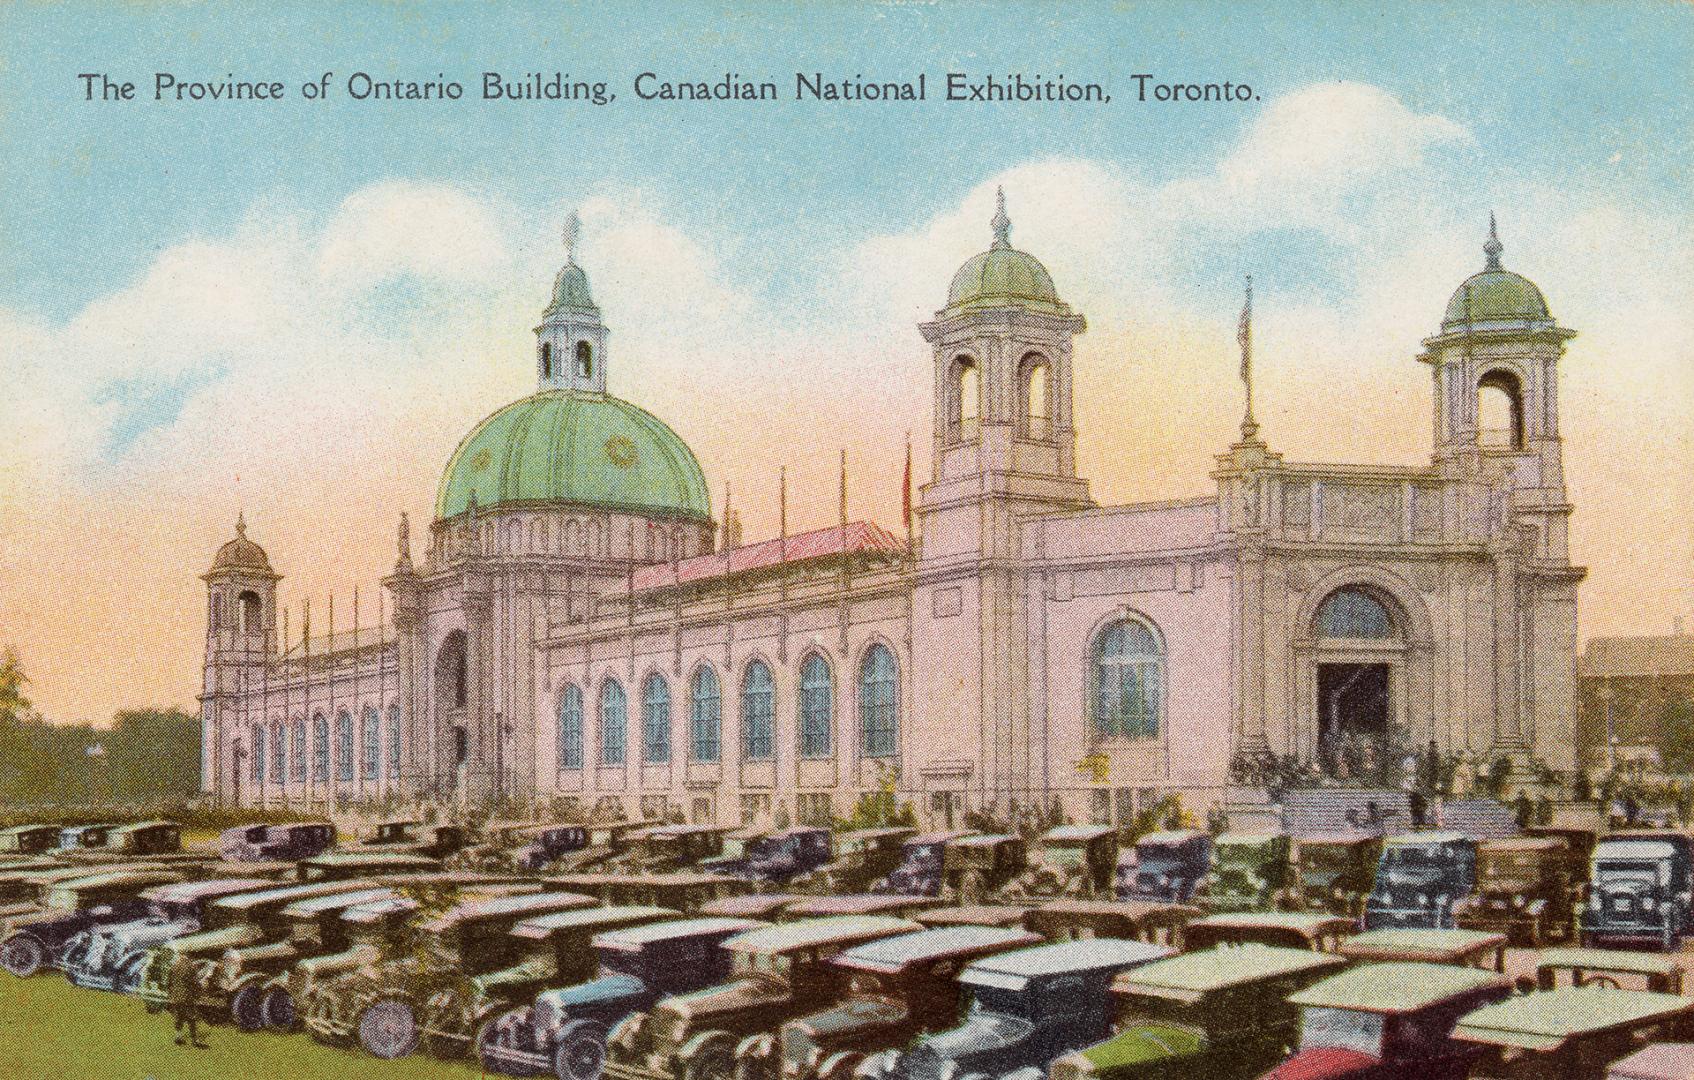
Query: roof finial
(1493, 247)
(573, 227)
(1001, 224)
(241, 524)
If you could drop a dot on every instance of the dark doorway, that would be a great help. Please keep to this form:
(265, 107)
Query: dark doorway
(1353, 710)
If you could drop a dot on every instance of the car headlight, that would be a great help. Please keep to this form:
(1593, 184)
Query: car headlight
(1520, 900)
(231, 967)
(1594, 902)
(1648, 903)
(1423, 899)
(1443, 900)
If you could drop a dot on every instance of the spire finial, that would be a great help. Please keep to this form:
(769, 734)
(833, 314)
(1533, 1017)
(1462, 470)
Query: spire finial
(241, 524)
(1493, 247)
(573, 227)
(1001, 224)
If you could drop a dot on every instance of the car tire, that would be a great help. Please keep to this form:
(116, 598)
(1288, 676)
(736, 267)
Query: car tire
(23, 956)
(580, 1051)
(246, 1008)
(388, 1029)
(278, 1010)
(713, 1058)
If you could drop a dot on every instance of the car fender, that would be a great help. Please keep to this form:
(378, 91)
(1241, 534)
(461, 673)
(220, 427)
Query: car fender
(762, 1045)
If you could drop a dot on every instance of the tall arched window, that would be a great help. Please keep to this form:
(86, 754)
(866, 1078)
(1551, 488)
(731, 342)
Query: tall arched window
(584, 360)
(344, 745)
(1037, 387)
(258, 753)
(252, 613)
(1353, 613)
(1499, 410)
(817, 704)
(656, 720)
(614, 722)
(879, 703)
(546, 360)
(279, 752)
(394, 742)
(298, 741)
(705, 715)
(320, 747)
(570, 728)
(1128, 680)
(964, 400)
(371, 737)
(758, 713)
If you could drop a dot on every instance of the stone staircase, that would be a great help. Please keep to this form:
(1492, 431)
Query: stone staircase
(1479, 819)
(1314, 811)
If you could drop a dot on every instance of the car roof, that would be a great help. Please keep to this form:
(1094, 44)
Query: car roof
(398, 823)
(107, 878)
(1349, 837)
(679, 878)
(1078, 832)
(376, 860)
(689, 830)
(290, 893)
(1545, 1019)
(811, 933)
(636, 937)
(799, 830)
(1640, 963)
(1419, 839)
(947, 837)
(1634, 848)
(136, 826)
(973, 915)
(1301, 922)
(857, 904)
(1399, 987)
(1196, 973)
(983, 839)
(502, 906)
(894, 954)
(1171, 836)
(180, 891)
(1524, 843)
(877, 833)
(1246, 838)
(589, 918)
(317, 905)
(1014, 970)
(1420, 939)
(1660, 1061)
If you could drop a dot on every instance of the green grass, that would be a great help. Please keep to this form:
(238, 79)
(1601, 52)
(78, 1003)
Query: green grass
(50, 1030)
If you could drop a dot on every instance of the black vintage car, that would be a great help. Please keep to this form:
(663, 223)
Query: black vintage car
(776, 857)
(1420, 880)
(416, 837)
(1167, 867)
(268, 843)
(1527, 887)
(1332, 872)
(1639, 889)
(921, 860)
(564, 1032)
(112, 957)
(549, 843)
(21, 841)
(35, 941)
(862, 858)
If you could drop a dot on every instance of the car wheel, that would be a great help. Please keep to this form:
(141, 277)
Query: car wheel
(127, 979)
(581, 1053)
(389, 1029)
(713, 1058)
(278, 1010)
(246, 1008)
(23, 956)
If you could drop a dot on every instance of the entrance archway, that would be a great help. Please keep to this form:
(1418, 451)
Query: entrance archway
(1361, 645)
(452, 693)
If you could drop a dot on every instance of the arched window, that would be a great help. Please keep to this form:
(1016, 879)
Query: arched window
(758, 713)
(394, 742)
(705, 715)
(298, 739)
(371, 732)
(817, 704)
(279, 752)
(1037, 387)
(546, 360)
(964, 404)
(1128, 680)
(320, 747)
(1354, 613)
(656, 720)
(344, 745)
(584, 360)
(252, 613)
(451, 675)
(570, 728)
(258, 753)
(1499, 410)
(879, 703)
(614, 722)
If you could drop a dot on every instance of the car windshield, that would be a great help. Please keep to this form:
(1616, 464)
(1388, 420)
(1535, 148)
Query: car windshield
(1415, 858)
(1064, 856)
(989, 1000)
(1242, 855)
(1514, 864)
(1141, 1010)
(1626, 868)
(755, 963)
(1344, 1029)
(1326, 856)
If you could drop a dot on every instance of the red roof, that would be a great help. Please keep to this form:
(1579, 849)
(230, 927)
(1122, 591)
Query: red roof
(854, 538)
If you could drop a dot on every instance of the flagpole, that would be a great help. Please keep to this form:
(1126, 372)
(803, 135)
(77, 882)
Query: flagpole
(1244, 337)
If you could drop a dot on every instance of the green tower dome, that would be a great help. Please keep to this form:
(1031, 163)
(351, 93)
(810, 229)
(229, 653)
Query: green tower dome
(577, 447)
(1003, 276)
(570, 292)
(1496, 294)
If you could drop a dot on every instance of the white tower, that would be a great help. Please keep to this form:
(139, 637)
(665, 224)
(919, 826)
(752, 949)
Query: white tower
(570, 351)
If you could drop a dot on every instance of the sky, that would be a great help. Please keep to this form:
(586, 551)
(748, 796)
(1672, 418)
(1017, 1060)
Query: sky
(295, 309)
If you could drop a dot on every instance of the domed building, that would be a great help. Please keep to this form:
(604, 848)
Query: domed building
(580, 630)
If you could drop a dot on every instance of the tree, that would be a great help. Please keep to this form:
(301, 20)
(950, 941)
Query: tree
(1676, 735)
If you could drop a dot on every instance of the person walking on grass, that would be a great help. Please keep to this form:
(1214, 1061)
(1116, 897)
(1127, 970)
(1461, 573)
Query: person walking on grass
(185, 1005)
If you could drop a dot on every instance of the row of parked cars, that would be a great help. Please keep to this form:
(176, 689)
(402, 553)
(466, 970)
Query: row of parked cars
(641, 951)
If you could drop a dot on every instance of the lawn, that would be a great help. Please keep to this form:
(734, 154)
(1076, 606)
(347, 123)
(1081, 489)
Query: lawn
(50, 1030)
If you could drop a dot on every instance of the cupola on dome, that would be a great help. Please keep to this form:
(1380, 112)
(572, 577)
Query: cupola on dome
(1003, 277)
(1496, 294)
(241, 553)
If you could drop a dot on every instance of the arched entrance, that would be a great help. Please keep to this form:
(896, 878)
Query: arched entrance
(452, 693)
(1359, 676)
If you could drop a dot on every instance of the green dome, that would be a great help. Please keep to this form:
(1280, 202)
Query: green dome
(573, 446)
(1003, 276)
(1496, 296)
(570, 291)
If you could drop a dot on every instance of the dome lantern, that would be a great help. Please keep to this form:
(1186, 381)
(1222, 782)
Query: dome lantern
(241, 553)
(1496, 297)
(570, 350)
(1003, 277)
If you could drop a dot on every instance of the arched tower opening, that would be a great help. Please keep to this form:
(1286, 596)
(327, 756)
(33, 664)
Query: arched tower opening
(1499, 410)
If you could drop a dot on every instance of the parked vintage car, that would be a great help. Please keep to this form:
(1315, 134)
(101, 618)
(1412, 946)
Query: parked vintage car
(861, 858)
(1071, 860)
(115, 843)
(974, 868)
(1001, 915)
(1458, 948)
(1572, 1033)
(520, 845)
(269, 843)
(776, 858)
(1308, 930)
(26, 840)
(1028, 1007)
(606, 843)
(1639, 889)
(76, 837)
(112, 957)
(922, 858)
(1221, 1013)
(1614, 968)
(1389, 1022)
(1072, 920)
(416, 837)
(1528, 887)
(1580, 841)
(24, 890)
(548, 844)
(1421, 878)
(777, 973)
(231, 922)
(564, 1033)
(363, 863)
(72, 906)
(1249, 871)
(1167, 867)
(1661, 1061)
(669, 848)
(386, 1002)
(900, 988)
(1333, 872)
(683, 890)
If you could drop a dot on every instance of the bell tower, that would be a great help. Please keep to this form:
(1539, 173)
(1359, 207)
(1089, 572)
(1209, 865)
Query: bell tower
(570, 349)
(240, 637)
